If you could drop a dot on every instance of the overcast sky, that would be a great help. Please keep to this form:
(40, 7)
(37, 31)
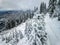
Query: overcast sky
(20, 4)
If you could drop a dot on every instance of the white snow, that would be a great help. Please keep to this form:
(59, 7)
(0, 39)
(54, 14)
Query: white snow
(21, 28)
(53, 30)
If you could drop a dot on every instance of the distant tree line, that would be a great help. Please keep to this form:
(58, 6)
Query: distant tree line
(15, 22)
(16, 19)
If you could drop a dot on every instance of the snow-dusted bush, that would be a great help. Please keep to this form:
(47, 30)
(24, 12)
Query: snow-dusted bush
(12, 37)
(35, 30)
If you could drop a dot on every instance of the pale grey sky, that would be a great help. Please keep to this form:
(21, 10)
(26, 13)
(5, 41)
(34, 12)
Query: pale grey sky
(20, 4)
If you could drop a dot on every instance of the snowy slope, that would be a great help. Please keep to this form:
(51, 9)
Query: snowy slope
(16, 31)
(17, 36)
(33, 34)
(53, 30)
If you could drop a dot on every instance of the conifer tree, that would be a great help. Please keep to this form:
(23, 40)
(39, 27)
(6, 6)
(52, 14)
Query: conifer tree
(52, 4)
(42, 7)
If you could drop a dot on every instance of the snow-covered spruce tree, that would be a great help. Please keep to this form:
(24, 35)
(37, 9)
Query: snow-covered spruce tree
(52, 4)
(57, 10)
(43, 8)
(35, 31)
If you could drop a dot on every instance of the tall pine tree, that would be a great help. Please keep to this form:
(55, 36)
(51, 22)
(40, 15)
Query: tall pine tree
(52, 4)
(42, 7)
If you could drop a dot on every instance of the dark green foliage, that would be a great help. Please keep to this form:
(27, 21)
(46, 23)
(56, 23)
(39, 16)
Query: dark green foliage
(13, 23)
(2, 24)
(8, 26)
(43, 8)
(52, 4)
(17, 21)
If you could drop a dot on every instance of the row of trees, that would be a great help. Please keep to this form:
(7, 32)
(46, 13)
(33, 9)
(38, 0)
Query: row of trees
(35, 31)
(15, 22)
(15, 19)
(53, 8)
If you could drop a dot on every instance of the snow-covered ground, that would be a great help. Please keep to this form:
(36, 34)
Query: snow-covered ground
(31, 35)
(53, 30)
(17, 35)
(10, 32)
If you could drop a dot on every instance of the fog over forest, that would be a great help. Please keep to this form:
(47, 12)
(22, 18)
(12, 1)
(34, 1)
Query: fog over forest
(20, 4)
